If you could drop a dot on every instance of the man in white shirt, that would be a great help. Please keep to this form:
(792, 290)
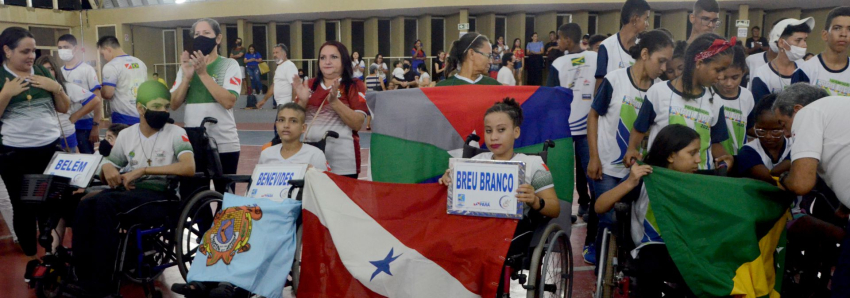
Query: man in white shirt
(84, 75)
(818, 124)
(506, 74)
(283, 75)
(122, 76)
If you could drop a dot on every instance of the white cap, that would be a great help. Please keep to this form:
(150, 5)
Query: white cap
(777, 30)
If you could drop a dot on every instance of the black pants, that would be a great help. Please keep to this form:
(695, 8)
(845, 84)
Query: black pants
(229, 164)
(534, 66)
(96, 238)
(656, 267)
(15, 163)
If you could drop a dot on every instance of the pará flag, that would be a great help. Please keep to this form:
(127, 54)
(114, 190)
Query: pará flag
(726, 235)
(251, 244)
(371, 239)
(416, 131)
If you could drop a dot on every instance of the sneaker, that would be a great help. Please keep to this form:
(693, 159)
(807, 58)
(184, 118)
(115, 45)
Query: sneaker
(582, 210)
(31, 266)
(589, 254)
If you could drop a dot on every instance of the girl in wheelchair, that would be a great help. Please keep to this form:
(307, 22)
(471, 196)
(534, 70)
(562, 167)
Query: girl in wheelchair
(677, 147)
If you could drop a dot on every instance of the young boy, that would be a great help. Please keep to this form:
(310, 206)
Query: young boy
(767, 156)
(704, 18)
(613, 51)
(829, 70)
(289, 126)
(789, 37)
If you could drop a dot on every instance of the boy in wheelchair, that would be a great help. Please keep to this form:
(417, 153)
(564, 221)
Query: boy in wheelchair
(501, 128)
(289, 125)
(140, 195)
(677, 148)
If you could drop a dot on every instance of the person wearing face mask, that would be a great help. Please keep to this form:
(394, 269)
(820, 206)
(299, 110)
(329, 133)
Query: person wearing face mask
(105, 145)
(283, 74)
(788, 38)
(208, 85)
(148, 151)
(829, 69)
(122, 76)
(84, 75)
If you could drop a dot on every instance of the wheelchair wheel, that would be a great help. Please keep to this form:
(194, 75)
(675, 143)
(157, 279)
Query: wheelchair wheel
(551, 273)
(195, 219)
(296, 264)
(608, 284)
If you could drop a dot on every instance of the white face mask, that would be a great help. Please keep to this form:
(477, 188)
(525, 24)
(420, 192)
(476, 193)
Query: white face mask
(66, 54)
(795, 53)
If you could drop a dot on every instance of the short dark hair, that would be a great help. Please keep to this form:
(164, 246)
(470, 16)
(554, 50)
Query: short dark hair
(508, 106)
(571, 31)
(295, 107)
(790, 30)
(69, 38)
(551, 32)
(631, 9)
(156, 74)
(756, 27)
(764, 105)
(706, 5)
(841, 11)
(115, 128)
(108, 41)
(596, 39)
(670, 139)
(507, 58)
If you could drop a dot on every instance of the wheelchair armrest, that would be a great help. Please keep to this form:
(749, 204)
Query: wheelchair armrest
(548, 144)
(234, 178)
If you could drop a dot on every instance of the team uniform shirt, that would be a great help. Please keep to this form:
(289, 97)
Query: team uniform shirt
(343, 153)
(753, 154)
(576, 72)
(79, 97)
(737, 112)
(125, 73)
(617, 102)
(815, 72)
(29, 123)
(664, 106)
(767, 80)
(308, 154)
(506, 76)
(612, 55)
(536, 172)
(84, 75)
(644, 229)
(201, 104)
(133, 151)
(283, 75)
(820, 132)
(755, 61)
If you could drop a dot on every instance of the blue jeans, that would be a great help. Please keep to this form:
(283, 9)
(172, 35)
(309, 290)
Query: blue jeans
(605, 220)
(83, 144)
(254, 73)
(582, 150)
(841, 276)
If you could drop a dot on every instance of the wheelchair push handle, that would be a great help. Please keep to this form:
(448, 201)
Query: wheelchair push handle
(206, 120)
(296, 184)
(472, 138)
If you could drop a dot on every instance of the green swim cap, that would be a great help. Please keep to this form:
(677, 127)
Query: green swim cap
(151, 90)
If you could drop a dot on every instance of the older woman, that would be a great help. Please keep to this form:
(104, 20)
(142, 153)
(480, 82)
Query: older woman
(470, 56)
(29, 102)
(208, 84)
(334, 101)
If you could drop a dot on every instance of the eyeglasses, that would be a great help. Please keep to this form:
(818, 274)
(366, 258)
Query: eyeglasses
(774, 133)
(482, 53)
(710, 22)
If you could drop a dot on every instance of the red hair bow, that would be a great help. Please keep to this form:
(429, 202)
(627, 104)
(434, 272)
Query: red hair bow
(719, 45)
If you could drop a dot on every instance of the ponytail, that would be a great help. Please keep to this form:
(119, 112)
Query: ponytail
(457, 54)
(653, 41)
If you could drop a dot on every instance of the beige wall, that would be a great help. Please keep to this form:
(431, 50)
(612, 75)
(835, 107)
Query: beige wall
(370, 32)
(545, 22)
(815, 41)
(319, 37)
(452, 33)
(486, 24)
(345, 34)
(147, 46)
(397, 47)
(676, 22)
(774, 15)
(581, 18)
(609, 22)
(424, 34)
(516, 28)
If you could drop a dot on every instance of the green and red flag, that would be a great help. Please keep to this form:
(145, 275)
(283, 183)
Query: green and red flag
(416, 131)
(725, 235)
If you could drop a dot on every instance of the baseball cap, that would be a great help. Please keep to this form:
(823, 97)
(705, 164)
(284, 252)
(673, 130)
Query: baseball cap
(779, 27)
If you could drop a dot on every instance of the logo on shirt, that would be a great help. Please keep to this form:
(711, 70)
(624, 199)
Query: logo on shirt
(692, 113)
(185, 138)
(131, 65)
(577, 61)
(235, 81)
(734, 114)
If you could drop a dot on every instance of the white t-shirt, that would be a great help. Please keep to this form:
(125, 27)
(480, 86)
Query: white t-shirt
(358, 68)
(815, 72)
(612, 55)
(617, 102)
(133, 150)
(398, 73)
(506, 76)
(576, 72)
(381, 69)
(767, 80)
(200, 103)
(85, 76)
(125, 73)
(283, 75)
(536, 172)
(755, 61)
(307, 155)
(820, 132)
(664, 106)
(737, 111)
(422, 76)
(79, 97)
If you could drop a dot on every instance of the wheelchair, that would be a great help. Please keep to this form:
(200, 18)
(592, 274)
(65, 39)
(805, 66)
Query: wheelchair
(549, 263)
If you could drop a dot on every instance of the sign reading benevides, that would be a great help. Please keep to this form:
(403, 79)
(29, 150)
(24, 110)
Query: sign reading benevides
(272, 181)
(80, 168)
(485, 188)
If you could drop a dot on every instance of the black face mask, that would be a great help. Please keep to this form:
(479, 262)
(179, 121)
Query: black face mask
(156, 119)
(104, 148)
(204, 44)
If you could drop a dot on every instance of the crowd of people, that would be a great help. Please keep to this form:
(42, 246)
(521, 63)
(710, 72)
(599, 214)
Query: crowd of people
(638, 95)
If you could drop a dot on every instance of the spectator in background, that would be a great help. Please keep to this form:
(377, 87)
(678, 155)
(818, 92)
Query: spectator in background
(382, 67)
(357, 65)
(411, 76)
(613, 52)
(281, 87)
(469, 55)
(83, 102)
(418, 55)
(506, 73)
(519, 57)
(553, 53)
(238, 53)
(373, 80)
(585, 42)
(756, 43)
(424, 79)
(594, 42)
(158, 79)
(534, 61)
(397, 78)
(122, 75)
(80, 73)
(495, 62)
(439, 69)
(552, 44)
(301, 74)
(252, 60)
(501, 47)
(705, 18)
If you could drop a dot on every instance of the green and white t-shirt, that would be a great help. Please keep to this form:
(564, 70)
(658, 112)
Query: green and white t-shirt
(200, 102)
(664, 106)
(815, 72)
(30, 118)
(133, 150)
(125, 73)
(737, 112)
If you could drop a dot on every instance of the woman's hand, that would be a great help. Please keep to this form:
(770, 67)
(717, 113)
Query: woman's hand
(45, 83)
(14, 87)
(130, 178)
(638, 171)
(186, 66)
(333, 96)
(301, 89)
(594, 168)
(631, 156)
(728, 159)
(447, 178)
(525, 194)
(200, 62)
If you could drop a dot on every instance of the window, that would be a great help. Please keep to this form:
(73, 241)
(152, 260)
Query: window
(501, 28)
(438, 35)
(384, 43)
(283, 36)
(47, 36)
(411, 34)
(332, 31)
(232, 35)
(358, 37)
(592, 23)
(471, 23)
(261, 40)
(529, 29)
(307, 46)
(563, 18)
(656, 23)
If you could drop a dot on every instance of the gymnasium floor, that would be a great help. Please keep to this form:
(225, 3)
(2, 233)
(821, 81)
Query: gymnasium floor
(255, 129)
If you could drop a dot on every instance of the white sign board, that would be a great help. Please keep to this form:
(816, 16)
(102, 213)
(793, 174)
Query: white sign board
(80, 168)
(742, 23)
(742, 33)
(272, 181)
(463, 26)
(485, 188)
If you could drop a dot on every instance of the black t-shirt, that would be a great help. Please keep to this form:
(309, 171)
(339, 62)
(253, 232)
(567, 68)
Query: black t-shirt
(434, 71)
(751, 43)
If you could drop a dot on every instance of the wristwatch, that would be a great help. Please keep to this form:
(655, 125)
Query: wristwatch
(542, 204)
(782, 179)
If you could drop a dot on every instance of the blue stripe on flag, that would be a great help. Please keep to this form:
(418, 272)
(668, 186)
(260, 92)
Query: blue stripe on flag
(546, 116)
